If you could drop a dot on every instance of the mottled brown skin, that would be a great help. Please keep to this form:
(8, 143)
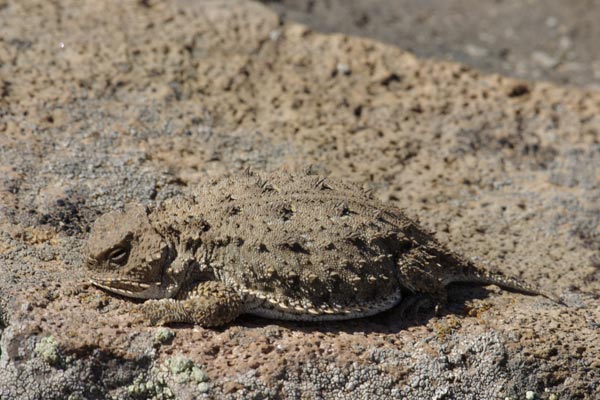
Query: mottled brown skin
(295, 247)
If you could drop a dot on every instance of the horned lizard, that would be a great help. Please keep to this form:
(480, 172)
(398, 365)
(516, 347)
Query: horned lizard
(292, 247)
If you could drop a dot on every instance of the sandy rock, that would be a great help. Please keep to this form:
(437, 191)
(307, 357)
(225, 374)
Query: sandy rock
(107, 102)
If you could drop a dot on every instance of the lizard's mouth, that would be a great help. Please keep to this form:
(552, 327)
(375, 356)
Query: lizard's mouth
(129, 288)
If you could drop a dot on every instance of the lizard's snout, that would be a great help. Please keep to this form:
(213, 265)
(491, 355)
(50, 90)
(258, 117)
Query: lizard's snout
(128, 288)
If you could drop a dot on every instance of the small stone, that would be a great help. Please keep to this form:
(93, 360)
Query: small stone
(274, 35)
(343, 69)
(551, 22)
(47, 348)
(163, 335)
(530, 395)
(180, 364)
(476, 51)
(544, 59)
(198, 375)
(203, 387)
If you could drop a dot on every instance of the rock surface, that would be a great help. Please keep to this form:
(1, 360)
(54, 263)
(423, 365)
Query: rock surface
(102, 103)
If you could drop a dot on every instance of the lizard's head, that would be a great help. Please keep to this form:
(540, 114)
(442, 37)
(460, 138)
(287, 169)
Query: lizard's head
(127, 256)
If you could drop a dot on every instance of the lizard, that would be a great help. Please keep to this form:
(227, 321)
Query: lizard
(283, 246)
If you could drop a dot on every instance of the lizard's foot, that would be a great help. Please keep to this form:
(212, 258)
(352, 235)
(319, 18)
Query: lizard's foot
(208, 304)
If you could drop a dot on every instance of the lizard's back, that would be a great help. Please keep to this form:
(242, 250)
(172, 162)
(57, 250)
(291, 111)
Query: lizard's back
(303, 244)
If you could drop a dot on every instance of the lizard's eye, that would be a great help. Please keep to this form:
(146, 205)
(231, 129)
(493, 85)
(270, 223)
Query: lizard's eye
(119, 256)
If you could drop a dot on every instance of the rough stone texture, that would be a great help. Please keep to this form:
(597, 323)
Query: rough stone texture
(551, 40)
(107, 102)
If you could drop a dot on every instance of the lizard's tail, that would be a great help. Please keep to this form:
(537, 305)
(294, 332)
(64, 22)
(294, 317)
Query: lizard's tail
(448, 267)
(429, 267)
(473, 274)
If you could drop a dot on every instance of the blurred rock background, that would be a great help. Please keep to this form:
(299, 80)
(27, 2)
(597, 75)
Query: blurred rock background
(552, 40)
